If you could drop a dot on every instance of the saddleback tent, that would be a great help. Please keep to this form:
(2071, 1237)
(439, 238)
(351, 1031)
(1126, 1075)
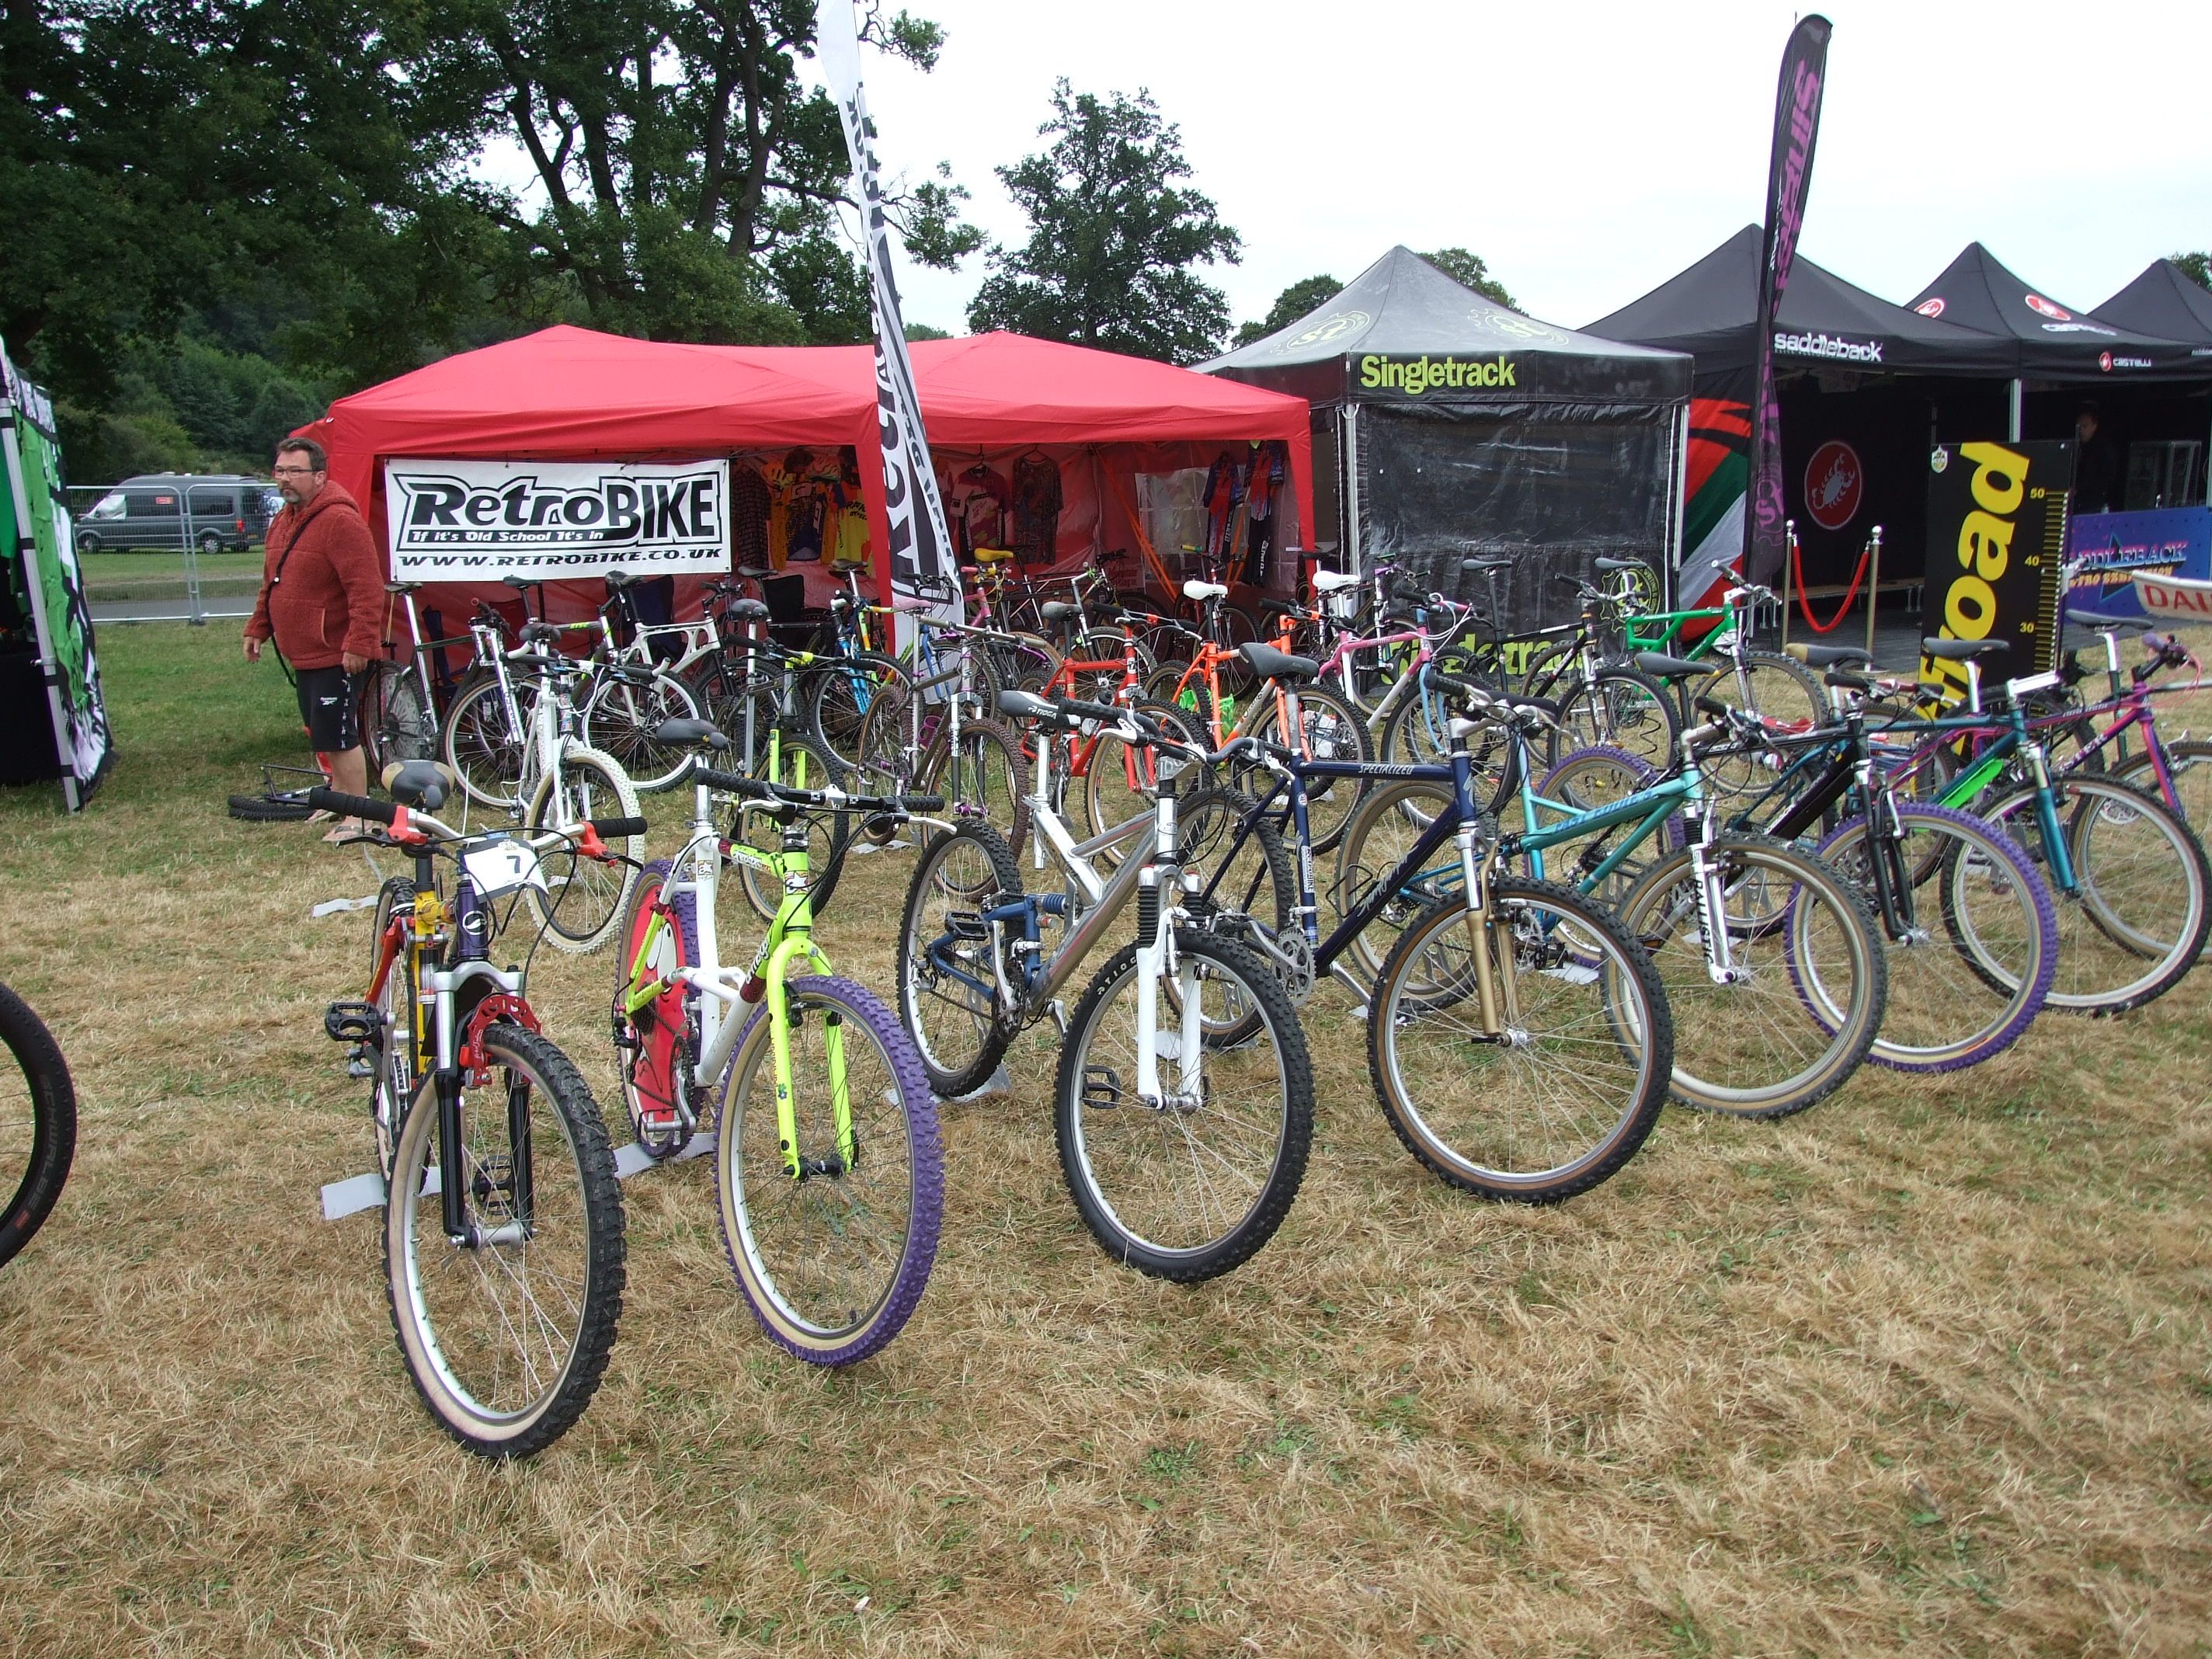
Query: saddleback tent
(1068, 455)
(53, 718)
(1447, 425)
(1864, 387)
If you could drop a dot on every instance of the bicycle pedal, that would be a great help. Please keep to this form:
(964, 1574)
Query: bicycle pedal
(1101, 1089)
(967, 924)
(358, 1023)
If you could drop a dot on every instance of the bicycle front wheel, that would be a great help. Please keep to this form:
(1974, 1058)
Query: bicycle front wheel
(38, 1123)
(397, 723)
(983, 777)
(582, 902)
(2136, 916)
(1376, 842)
(1620, 709)
(401, 1027)
(1556, 1088)
(1188, 1186)
(1329, 729)
(625, 709)
(481, 747)
(833, 1259)
(1808, 986)
(506, 1327)
(1969, 931)
(947, 974)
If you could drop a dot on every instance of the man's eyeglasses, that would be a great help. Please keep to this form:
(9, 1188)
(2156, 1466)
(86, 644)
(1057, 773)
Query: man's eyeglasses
(293, 471)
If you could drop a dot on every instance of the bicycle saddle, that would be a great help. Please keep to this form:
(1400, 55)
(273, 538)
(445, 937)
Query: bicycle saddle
(1831, 656)
(1201, 592)
(1959, 650)
(401, 587)
(418, 783)
(682, 733)
(993, 555)
(1332, 581)
(521, 582)
(618, 579)
(1662, 667)
(749, 609)
(538, 633)
(1054, 610)
(1615, 564)
(1482, 564)
(753, 572)
(1270, 663)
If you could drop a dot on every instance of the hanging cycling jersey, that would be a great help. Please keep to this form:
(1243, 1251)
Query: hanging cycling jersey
(1263, 477)
(979, 510)
(848, 521)
(751, 511)
(1036, 508)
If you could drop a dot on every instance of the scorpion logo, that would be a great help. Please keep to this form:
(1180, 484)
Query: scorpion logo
(1833, 481)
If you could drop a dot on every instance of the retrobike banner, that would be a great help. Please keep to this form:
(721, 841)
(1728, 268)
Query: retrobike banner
(482, 520)
(42, 603)
(919, 545)
(1789, 171)
(1996, 551)
(2113, 549)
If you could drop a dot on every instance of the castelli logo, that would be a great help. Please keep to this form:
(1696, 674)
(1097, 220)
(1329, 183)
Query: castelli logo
(1930, 308)
(2043, 307)
(1834, 482)
(2105, 362)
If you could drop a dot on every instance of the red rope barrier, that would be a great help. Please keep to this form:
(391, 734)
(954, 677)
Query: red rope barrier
(1805, 610)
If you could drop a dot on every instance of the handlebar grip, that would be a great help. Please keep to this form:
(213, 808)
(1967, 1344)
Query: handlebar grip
(731, 783)
(1091, 711)
(922, 803)
(353, 806)
(618, 829)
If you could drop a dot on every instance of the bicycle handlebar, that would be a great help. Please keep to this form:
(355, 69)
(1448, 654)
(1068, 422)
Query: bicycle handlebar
(386, 813)
(736, 783)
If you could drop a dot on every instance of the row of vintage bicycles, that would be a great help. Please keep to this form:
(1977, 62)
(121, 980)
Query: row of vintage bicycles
(1554, 880)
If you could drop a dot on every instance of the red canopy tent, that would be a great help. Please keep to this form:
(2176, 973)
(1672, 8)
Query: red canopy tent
(571, 394)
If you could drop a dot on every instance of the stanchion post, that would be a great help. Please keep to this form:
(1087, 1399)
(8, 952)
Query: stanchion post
(1874, 590)
(193, 614)
(1788, 563)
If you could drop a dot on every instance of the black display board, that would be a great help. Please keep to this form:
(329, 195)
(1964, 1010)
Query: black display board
(1996, 542)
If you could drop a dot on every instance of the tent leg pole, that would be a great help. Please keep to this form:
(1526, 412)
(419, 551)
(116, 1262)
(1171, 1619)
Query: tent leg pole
(1789, 547)
(2013, 412)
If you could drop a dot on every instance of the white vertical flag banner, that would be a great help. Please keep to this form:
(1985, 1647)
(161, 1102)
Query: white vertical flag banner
(921, 553)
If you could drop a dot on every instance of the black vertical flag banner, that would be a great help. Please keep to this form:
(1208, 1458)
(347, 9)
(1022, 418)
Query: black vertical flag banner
(1788, 172)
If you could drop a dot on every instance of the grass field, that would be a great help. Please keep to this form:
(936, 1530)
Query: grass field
(1925, 1370)
(159, 575)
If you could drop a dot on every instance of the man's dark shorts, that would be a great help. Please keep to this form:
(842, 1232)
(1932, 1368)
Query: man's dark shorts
(326, 703)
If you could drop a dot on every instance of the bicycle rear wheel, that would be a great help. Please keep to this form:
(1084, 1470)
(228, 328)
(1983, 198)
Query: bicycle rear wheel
(1811, 982)
(507, 1328)
(583, 900)
(947, 978)
(484, 751)
(983, 776)
(1565, 1092)
(1190, 1187)
(397, 722)
(802, 764)
(840, 693)
(833, 1261)
(1329, 729)
(1623, 709)
(38, 1123)
(1975, 940)
(1374, 843)
(2142, 902)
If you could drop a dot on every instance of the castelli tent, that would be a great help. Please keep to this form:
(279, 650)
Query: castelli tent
(1447, 424)
(2166, 302)
(1109, 423)
(2050, 341)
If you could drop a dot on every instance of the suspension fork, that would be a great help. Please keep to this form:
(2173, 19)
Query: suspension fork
(1712, 903)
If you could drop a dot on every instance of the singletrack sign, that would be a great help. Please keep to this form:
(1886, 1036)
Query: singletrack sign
(480, 520)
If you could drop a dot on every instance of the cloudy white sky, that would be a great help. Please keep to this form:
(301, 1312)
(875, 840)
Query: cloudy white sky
(1588, 149)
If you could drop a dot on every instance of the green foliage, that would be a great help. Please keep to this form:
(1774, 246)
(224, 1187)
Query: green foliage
(1292, 303)
(1468, 270)
(2198, 265)
(924, 332)
(1113, 233)
(299, 184)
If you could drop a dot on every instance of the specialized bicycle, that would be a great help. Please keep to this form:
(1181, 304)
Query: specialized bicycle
(1182, 1106)
(504, 1239)
(829, 1165)
(38, 1123)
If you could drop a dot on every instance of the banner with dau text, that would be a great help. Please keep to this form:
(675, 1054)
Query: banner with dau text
(480, 520)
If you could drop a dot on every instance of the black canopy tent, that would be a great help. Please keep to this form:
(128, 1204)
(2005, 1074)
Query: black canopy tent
(1865, 386)
(2153, 394)
(2164, 302)
(1445, 424)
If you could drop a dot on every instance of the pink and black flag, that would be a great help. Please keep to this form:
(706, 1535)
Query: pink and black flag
(1789, 172)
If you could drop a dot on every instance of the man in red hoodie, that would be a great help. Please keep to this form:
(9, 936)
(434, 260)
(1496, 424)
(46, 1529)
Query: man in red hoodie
(322, 597)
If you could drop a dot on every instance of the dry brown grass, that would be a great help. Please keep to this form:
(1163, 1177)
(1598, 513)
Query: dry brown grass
(1925, 1369)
